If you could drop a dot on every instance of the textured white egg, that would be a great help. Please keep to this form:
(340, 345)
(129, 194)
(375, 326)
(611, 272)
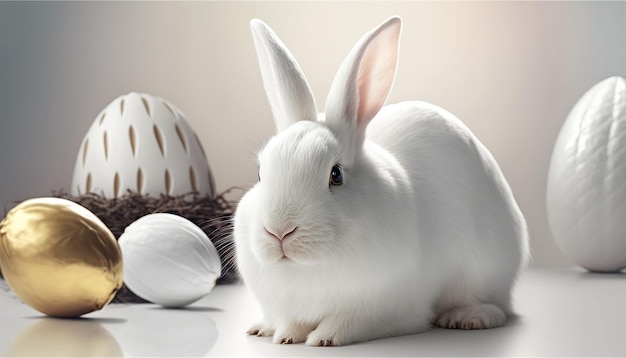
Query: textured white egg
(168, 260)
(142, 143)
(586, 191)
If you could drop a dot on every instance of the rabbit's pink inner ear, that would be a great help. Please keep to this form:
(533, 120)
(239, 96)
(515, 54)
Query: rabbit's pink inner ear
(377, 71)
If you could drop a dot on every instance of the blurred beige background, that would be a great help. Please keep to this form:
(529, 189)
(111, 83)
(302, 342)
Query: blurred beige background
(510, 70)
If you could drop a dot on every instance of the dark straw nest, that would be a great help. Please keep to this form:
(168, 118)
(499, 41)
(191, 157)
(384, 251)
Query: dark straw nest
(212, 214)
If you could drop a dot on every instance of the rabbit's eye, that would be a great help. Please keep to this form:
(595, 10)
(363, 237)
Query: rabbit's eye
(336, 175)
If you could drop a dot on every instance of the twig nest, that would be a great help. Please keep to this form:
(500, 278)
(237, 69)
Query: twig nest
(59, 258)
(586, 192)
(168, 260)
(141, 143)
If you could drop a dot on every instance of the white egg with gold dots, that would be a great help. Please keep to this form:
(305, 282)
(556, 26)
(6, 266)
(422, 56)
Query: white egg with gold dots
(141, 143)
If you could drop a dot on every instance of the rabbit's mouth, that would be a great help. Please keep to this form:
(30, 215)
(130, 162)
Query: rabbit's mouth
(290, 255)
(295, 254)
(299, 250)
(295, 248)
(286, 260)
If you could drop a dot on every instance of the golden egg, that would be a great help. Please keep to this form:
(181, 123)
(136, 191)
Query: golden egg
(59, 258)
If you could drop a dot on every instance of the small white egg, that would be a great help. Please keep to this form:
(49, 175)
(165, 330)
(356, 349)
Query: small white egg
(168, 260)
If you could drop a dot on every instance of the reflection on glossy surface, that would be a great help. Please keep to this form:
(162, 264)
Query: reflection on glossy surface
(52, 337)
(154, 331)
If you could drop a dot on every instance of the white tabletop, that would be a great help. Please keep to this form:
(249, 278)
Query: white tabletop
(561, 313)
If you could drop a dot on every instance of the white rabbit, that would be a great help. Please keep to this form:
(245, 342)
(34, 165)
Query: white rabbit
(372, 221)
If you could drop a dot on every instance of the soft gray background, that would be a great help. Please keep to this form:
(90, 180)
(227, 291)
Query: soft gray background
(510, 70)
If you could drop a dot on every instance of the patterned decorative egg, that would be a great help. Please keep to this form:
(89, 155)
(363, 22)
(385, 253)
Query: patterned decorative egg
(142, 143)
(586, 192)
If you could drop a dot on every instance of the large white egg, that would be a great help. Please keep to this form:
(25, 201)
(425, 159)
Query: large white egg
(142, 143)
(168, 260)
(586, 189)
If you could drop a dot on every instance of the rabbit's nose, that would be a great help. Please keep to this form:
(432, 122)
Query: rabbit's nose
(279, 233)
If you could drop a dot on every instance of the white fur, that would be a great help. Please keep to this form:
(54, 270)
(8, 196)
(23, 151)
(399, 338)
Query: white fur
(424, 229)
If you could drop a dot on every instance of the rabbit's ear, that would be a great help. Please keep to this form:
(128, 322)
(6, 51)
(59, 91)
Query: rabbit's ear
(363, 82)
(288, 91)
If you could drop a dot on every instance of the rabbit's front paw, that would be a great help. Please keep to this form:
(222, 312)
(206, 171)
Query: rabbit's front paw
(261, 330)
(292, 333)
(481, 316)
(321, 341)
(327, 334)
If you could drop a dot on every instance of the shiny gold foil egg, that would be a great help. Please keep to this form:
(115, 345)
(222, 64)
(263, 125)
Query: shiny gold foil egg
(59, 258)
